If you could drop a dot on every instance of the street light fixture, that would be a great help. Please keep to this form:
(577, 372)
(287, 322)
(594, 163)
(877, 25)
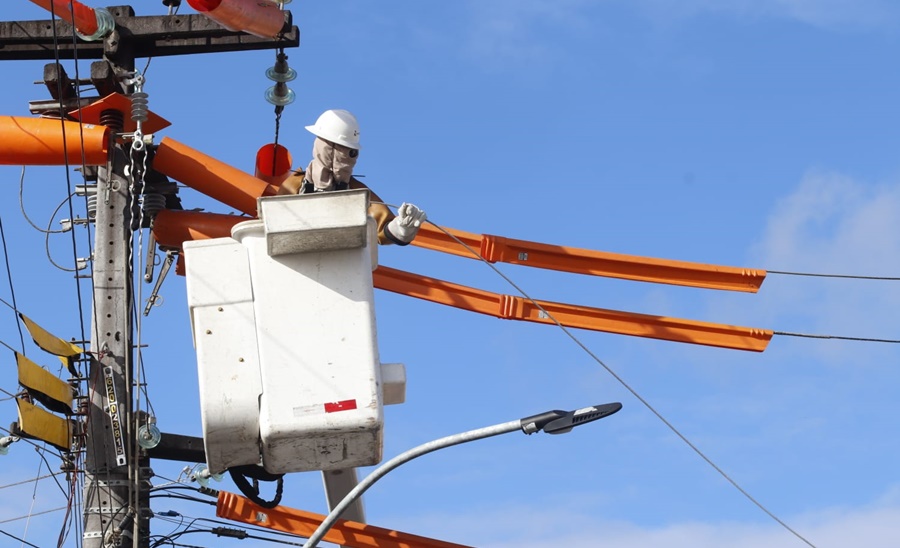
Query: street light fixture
(551, 422)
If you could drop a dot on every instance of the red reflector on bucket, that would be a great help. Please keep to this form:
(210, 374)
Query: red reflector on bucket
(336, 406)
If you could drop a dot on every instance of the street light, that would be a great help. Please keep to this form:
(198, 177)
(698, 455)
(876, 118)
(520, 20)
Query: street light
(551, 422)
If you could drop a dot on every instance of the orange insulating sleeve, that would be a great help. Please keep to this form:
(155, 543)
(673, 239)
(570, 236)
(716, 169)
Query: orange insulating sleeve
(216, 179)
(172, 228)
(595, 263)
(263, 19)
(583, 317)
(273, 164)
(83, 17)
(304, 524)
(39, 142)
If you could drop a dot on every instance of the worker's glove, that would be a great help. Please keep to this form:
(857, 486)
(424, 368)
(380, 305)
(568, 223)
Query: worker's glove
(404, 227)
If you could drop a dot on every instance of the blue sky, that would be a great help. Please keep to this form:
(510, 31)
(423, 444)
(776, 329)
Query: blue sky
(760, 134)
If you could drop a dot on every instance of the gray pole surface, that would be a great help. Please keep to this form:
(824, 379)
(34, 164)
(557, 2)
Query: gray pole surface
(107, 483)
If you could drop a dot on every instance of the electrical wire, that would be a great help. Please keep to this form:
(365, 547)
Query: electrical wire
(78, 479)
(845, 276)
(43, 458)
(20, 518)
(12, 290)
(26, 440)
(836, 337)
(47, 234)
(629, 388)
(31, 480)
(23, 541)
(25, 213)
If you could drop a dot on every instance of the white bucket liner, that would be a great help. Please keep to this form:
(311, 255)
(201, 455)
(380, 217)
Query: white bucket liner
(284, 327)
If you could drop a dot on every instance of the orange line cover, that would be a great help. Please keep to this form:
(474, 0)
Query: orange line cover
(595, 319)
(40, 142)
(585, 261)
(216, 179)
(80, 15)
(302, 523)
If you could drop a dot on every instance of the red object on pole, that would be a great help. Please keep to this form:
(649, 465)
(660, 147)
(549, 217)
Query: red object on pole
(40, 142)
(74, 12)
(273, 163)
(258, 17)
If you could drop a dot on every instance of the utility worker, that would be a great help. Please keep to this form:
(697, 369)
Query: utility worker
(335, 152)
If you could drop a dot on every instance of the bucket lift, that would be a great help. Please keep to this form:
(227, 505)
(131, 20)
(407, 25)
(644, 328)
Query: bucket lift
(284, 326)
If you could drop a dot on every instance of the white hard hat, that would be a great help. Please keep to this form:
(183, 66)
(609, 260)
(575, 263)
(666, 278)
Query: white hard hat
(337, 126)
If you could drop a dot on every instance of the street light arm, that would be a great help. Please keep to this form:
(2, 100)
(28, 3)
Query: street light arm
(552, 422)
(406, 456)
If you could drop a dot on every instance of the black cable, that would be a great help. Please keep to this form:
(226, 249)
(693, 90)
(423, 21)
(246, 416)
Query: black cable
(43, 458)
(182, 497)
(846, 276)
(30, 480)
(836, 337)
(12, 290)
(68, 176)
(23, 541)
(84, 179)
(628, 387)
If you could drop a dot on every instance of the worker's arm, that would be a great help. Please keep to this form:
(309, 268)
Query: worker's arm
(378, 211)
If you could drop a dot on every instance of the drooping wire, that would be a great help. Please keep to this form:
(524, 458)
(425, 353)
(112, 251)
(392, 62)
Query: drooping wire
(836, 337)
(25, 213)
(20, 518)
(43, 458)
(31, 480)
(12, 290)
(34, 494)
(77, 492)
(23, 541)
(845, 276)
(47, 234)
(627, 386)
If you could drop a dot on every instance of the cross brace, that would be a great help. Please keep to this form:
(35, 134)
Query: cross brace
(146, 36)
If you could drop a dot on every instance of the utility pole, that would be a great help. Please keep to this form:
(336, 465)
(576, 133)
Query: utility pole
(116, 470)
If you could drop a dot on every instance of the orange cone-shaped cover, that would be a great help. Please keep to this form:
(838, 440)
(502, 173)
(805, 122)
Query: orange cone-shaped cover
(40, 142)
(273, 163)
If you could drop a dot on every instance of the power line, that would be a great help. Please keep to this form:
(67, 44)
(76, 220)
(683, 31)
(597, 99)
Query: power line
(23, 541)
(837, 337)
(628, 387)
(31, 480)
(846, 276)
(34, 514)
(12, 290)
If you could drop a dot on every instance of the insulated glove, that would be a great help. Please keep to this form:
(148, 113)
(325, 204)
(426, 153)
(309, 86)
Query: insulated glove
(404, 227)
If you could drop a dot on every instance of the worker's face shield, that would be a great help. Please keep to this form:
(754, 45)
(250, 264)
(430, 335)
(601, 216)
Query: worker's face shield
(338, 159)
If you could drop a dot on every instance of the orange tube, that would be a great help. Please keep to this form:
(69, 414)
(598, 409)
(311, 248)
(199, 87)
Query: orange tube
(39, 142)
(583, 317)
(586, 261)
(172, 228)
(302, 523)
(74, 12)
(263, 19)
(273, 164)
(216, 179)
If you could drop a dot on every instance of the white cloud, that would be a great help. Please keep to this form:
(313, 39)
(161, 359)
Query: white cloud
(872, 526)
(833, 225)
